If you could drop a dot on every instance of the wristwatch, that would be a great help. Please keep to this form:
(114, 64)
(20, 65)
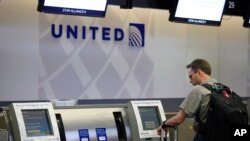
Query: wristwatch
(164, 125)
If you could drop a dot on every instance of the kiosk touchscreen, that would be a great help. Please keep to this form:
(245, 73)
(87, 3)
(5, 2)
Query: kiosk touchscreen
(145, 117)
(34, 122)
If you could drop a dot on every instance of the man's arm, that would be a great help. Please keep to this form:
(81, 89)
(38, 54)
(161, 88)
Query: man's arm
(174, 121)
(177, 119)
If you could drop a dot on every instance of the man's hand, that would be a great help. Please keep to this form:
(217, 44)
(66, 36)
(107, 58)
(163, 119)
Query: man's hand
(158, 130)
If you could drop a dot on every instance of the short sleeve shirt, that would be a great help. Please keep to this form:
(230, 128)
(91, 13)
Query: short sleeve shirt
(196, 103)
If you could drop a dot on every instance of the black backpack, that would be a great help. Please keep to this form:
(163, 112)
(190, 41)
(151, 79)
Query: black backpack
(226, 109)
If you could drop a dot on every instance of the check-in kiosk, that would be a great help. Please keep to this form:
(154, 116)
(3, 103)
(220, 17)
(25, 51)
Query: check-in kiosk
(145, 117)
(43, 121)
(34, 122)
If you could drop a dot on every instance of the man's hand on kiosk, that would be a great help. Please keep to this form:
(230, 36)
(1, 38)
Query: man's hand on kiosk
(159, 130)
(162, 127)
(165, 127)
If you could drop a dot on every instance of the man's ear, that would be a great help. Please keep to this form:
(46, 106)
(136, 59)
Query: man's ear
(199, 71)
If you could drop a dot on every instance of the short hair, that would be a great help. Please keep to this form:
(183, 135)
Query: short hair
(200, 64)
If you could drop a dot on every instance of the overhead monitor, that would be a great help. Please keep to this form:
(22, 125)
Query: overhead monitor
(93, 8)
(246, 22)
(145, 117)
(34, 122)
(202, 12)
(246, 13)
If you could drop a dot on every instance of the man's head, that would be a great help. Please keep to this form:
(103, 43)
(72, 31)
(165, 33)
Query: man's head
(198, 71)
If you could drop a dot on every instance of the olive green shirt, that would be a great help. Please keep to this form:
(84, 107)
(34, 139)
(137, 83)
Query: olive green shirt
(196, 103)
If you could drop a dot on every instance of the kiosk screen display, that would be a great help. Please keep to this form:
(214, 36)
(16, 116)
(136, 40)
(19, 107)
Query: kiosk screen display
(150, 117)
(37, 123)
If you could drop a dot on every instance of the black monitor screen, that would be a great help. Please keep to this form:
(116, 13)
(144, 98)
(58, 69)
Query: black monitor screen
(247, 23)
(37, 123)
(246, 13)
(150, 117)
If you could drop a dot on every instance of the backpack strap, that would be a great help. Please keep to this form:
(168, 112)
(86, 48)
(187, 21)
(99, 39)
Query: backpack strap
(219, 88)
(208, 86)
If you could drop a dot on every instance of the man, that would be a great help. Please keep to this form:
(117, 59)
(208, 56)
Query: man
(196, 103)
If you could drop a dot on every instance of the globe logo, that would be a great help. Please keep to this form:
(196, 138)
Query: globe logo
(136, 35)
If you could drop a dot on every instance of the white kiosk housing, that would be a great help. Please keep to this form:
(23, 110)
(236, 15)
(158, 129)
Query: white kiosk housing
(34, 122)
(145, 117)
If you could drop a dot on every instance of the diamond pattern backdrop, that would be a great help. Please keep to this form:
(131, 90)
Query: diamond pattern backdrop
(94, 69)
